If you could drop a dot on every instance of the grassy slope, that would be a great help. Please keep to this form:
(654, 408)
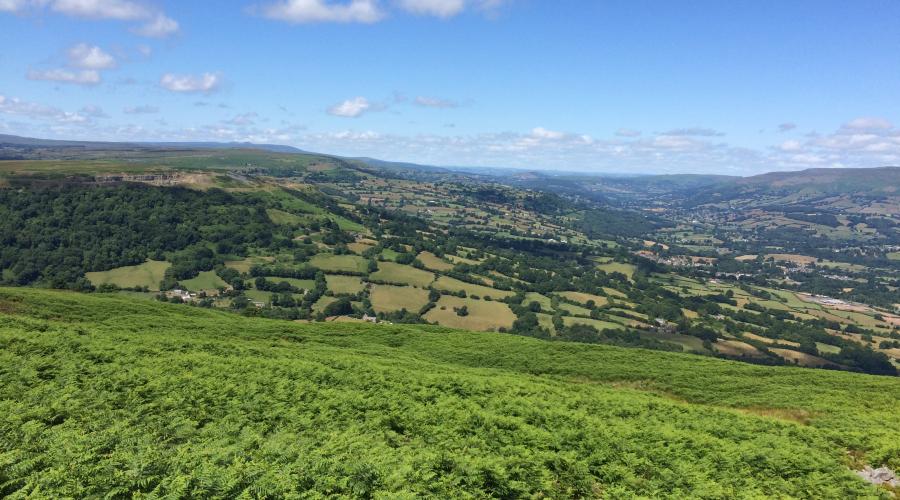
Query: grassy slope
(101, 394)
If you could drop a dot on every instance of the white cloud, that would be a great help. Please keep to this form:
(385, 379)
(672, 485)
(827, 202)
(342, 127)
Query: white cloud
(627, 132)
(787, 126)
(86, 56)
(313, 11)
(156, 23)
(83, 77)
(17, 107)
(94, 111)
(542, 133)
(869, 123)
(160, 26)
(123, 10)
(351, 108)
(140, 110)
(439, 8)
(13, 5)
(791, 146)
(207, 82)
(244, 119)
(434, 102)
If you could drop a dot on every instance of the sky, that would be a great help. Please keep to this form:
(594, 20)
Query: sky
(625, 86)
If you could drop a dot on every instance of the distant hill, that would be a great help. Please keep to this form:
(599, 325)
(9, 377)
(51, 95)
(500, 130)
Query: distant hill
(14, 142)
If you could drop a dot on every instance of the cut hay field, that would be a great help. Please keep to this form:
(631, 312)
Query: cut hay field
(148, 274)
(111, 396)
(583, 298)
(454, 285)
(344, 284)
(388, 298)
(392, 272)
(347, 263)
(433, 262)
(483, 315)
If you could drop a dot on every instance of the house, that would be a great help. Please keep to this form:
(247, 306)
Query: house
(369, 319)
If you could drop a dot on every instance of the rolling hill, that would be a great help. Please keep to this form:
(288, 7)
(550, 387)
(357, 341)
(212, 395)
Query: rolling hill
(101, 394)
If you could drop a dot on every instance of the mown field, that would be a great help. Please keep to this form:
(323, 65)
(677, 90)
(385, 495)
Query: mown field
(148, 274)
(106, 396)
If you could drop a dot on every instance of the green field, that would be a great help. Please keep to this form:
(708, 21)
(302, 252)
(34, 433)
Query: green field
(583, 298)
(329, 262)
(433, 262)
(302, 284)
(282, 217)
(106, 396)
(400, 273)
(617, 267)
(483, 315)
(148, 274)
(598, 324)
(454, 285)
(387, 298)
(893, 255)
(344, 284)
(205, 280)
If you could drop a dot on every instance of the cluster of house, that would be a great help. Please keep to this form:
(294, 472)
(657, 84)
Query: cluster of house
(676, 260)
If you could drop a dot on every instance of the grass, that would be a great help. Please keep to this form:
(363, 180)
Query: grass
(433, 262)
(107, 396)
(148, 274)
(344, 284)
(583, 298)
(893, 255)
(303, 284)
(284, 218)
(388, 298)
(454, 285)
(392, 272)
(329, 262)
(618, 267)
(596, 323)
(543, 300)
(483, 315)
(205, 280)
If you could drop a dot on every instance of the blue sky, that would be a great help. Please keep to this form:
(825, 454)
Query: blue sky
(617, 86)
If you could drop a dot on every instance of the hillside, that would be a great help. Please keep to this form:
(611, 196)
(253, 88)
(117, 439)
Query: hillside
(100, 394)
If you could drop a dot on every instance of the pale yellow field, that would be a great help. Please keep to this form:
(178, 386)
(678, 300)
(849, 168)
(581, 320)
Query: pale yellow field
(388, 298)
(483, 315)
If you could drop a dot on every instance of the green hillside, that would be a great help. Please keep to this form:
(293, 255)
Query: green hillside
(105, 396)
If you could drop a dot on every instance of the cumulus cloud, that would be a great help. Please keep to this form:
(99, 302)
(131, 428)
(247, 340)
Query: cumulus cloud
(439, 8)
(244, 119)
(351, 108)
(693, 132)
(83, 77)
(145, 109)
(434, 102)
(313, 11)
(94, 111)
(627, 132)
(156, 23)
(86, 56)
(542, 133)
(26, 109)
(206, 83)
(869, 123)
(160, 26)
(787, 126)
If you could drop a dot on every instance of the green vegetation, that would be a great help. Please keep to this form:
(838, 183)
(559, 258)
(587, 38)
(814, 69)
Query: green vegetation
(109, 396)
(344, 284)
(147, 275)
(390, 272)
(388, 298)
(479, 315)
(205, 280)
(347, 263)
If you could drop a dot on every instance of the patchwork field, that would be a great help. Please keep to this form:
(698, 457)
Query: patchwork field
(392, 272)
(148, 274)
(618, 267)
(583, 298)
(433, 262)
(482, 315)
(388, 298)
(205, 280)
(454, 285)
(329, 262)
(340, 284)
